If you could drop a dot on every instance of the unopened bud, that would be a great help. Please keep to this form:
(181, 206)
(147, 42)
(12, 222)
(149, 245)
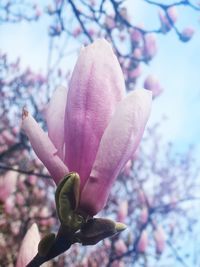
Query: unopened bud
(186, 34)
(159, 237)
(96, 229)
(143, 242)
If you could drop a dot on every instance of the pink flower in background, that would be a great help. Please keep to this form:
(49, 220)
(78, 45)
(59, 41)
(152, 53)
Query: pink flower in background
(29, 246)
(151, 83)
(7, 184)
(172, 13)
(150, 47)
(187, 34)
(93, 128)
(143, 242)
(120, 247)
(144, 215)
(122, 211)
(159, 236)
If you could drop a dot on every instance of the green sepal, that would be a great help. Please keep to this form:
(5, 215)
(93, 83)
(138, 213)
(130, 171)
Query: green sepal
(96, 229)
(67, 200)
(45, 244)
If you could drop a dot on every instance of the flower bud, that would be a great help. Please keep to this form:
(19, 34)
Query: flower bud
(151, 83)
(143, 242)
(144, 215)
(120, 247)
(150, 47)
(123, 211)
(186, 34)
(172, 13)
(159, 237)
(96, 229)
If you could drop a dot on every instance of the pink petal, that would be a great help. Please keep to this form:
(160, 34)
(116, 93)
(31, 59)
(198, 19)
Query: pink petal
(96, 86)
(43, 147)
(29, 246)
(120, 140)
(8, 184)
(55, 119)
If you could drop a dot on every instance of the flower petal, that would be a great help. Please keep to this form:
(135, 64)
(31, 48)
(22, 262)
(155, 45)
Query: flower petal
(43, 147)
(29, 246)
(54, 114)
(97, 85)
(120, 140)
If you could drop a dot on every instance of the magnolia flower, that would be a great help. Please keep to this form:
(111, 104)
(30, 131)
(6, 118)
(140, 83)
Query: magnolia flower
(7, 185)
(150, 47)
(159, 236)
(187, 34)
(144, 215)
(120, 247)
(172, 13)
(123, 211)
(152, 83)
(93, 128)
(143, 242)
(29, 246)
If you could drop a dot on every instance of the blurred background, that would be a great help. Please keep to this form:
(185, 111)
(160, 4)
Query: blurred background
(157, 194)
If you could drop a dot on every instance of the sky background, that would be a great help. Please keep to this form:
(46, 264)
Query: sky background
(176, 64)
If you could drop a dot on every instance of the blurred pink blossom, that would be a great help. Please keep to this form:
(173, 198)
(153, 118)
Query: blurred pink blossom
(172, 13)
(136, 36)
(8, 138)
(150, 47)
(77, 31)
(120, 247)
(166, 25)
(93, 128)
(109, 22)
(135, 73)
(19, 199)
(152, 83)
(7, 184)
(141, 197)
(122, 211)
(144, 215)
(187, 34)
(159, 236)
(143, 242)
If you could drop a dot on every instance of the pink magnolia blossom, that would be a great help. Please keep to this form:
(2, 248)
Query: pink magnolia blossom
(159, 237)
(144, 215)
(7, 184)
(151, 83)
(187, 34)
(120, 247)
(29, 246)
(123, 211)
(173, 14)
(150, 47)
(166, 24)
(141, 197)
(93, 128)
(135, 73)
(143, 242)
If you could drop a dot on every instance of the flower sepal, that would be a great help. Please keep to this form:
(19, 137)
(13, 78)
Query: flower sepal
(96, 229)
(67, 200)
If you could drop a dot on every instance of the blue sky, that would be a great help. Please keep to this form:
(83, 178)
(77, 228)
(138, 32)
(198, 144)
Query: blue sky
(176, 64)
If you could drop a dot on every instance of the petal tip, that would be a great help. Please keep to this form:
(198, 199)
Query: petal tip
(24, 113)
